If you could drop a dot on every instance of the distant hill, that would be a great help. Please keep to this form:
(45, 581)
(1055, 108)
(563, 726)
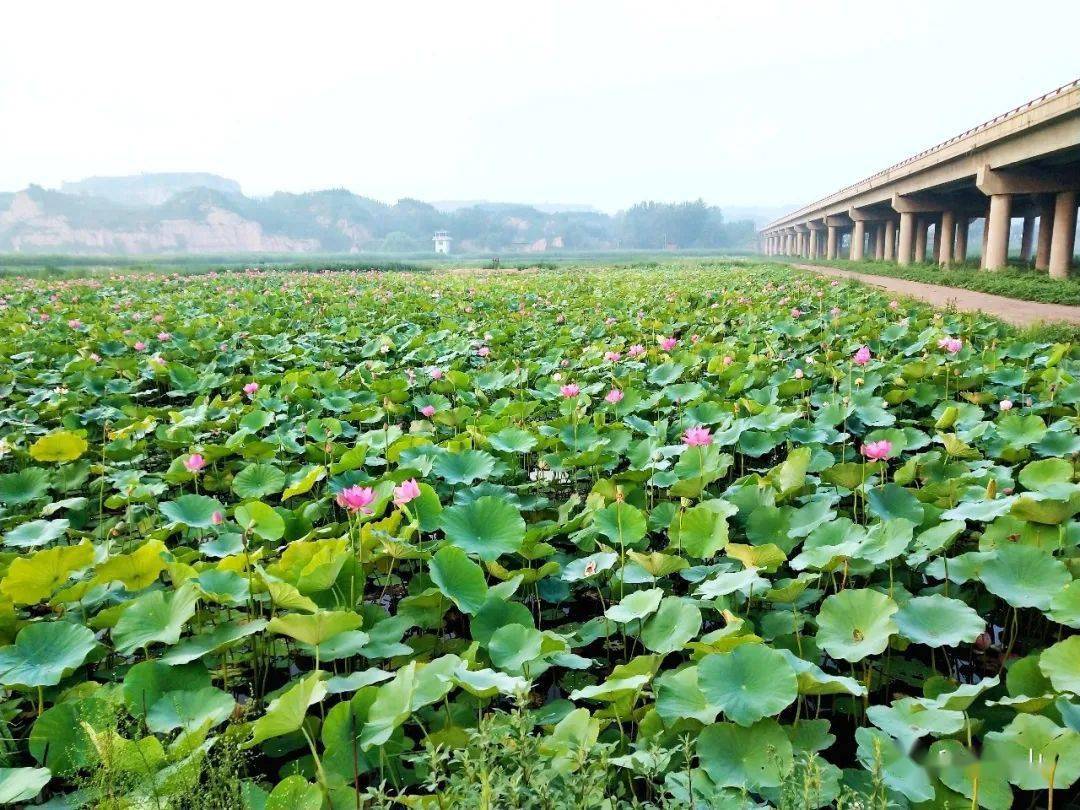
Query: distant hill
(110, 216)
(149, 189)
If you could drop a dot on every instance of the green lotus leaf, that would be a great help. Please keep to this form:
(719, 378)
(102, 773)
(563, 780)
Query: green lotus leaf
(294, 793)
(465, 467)
(938, 621)
(59, 738)
(36, 533)
(750, 682)
(1065, 605)
(635, 606)
(24, 486)
(189, 710)
(621, 523)
(155, 616)
(260, 519)
(459, 578)
(908, 719)
(813, 680)
(257, 481)
(892, 501)
(514, 646)
(43, 652)
(585, 567)
(675, 623)
(314, 628)
(196, 511)
(1024, 576)
(856, 623)
(22, 784)
(512, 440)
(194, 647)
(1061, 664)
(900, 772)
(679, 696)
(754, 757)
(287, 711)
(611, 689)
(700, 531)
(487, 527)
(1032, 749)
(147, 681)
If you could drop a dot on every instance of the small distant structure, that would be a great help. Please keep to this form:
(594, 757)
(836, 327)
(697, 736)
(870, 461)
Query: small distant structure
(442, 241)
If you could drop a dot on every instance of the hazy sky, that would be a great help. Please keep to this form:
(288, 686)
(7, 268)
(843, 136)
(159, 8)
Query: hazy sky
(749, 103)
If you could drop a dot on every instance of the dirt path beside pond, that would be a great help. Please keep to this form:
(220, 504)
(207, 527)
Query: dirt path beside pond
(1011, 310)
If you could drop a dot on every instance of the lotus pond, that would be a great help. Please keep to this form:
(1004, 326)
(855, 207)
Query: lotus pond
(703, 536)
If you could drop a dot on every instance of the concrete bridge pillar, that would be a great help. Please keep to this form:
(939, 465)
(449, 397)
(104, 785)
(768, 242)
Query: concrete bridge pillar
(879, 242)
(832, 240)
(921, 228)
(1046, 228)
(814, 246)
(907, 238)
(890, 241)
(960, 245)
(945, 237)
(1026, 238)
(997, 232)
(1063, 241)
(858, 239)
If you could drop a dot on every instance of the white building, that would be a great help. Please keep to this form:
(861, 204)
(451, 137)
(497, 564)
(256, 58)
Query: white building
(442, 242)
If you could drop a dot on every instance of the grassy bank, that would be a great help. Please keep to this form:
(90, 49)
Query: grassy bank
(1012, 282)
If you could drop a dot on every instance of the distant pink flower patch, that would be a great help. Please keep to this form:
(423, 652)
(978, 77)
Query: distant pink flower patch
(356, 499)
(194, 462)
(428, 411)
(877, 451)
(614, 396)
(697, 437)
(407, 491)
(951, 344)
(668, 343)
(862, 356)
(251, 389)
(570, 390)
(637, 350)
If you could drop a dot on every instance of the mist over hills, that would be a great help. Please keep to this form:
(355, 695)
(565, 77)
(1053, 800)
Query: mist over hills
(205, 213)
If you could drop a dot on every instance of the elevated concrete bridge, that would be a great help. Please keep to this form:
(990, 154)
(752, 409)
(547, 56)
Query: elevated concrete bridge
(1024, 164)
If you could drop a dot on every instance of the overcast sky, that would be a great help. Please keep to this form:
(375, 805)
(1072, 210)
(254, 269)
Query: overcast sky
(750, 103)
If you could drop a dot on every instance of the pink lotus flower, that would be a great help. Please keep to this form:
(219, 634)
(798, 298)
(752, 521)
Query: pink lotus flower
(728, 359)
(877, 451)
(951, 344)
(428, 411)
(75, 323)
(407, 491)
(140, 346)
(835, 312)
(251, 388)
(795, 312)
(697, 437)
(217, 518)
(194, 462)
(894, 304)
(1005, 405)
(436, 373)
(862, 356)
(356, 499)
(570, 390)
(614, 396)
(483, 351)
(590, 568)
(163, 336)
(95, 357)
(613, 357)
(799, 374)
(637, 350)
(668, 343)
